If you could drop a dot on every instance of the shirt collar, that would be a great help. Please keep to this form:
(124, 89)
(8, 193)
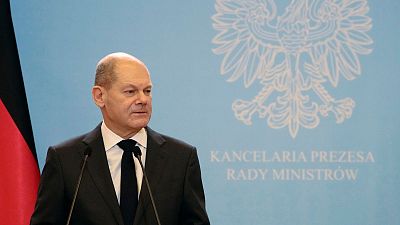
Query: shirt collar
(110, 138)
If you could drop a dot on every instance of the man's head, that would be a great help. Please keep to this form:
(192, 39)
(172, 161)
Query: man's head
(122, 91)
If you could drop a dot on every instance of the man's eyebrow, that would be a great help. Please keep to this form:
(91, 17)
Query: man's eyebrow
(136, 86)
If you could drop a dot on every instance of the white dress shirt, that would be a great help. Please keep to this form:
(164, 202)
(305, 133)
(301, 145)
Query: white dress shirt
(114, 155)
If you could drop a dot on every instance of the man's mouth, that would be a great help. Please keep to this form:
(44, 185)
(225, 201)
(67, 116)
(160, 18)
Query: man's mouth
(140, 112)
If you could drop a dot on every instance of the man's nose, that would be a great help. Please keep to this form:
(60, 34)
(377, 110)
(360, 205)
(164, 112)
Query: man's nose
(141, 97)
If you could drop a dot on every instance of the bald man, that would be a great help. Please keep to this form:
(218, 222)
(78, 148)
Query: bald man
(122, 91)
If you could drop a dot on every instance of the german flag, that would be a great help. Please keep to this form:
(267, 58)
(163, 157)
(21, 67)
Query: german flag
(19, 171)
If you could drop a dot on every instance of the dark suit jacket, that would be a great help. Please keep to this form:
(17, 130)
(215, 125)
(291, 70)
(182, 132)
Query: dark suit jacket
(172, 168)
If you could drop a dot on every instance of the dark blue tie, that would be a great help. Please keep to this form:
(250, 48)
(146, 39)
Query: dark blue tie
(129, 191)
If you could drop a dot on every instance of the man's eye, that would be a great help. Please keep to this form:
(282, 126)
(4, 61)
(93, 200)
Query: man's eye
(148, 92)
(129, 91)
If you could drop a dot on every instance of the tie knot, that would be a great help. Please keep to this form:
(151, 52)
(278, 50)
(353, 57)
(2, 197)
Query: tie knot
(127, 145)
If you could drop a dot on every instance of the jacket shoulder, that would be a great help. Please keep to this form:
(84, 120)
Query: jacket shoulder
(163, 139)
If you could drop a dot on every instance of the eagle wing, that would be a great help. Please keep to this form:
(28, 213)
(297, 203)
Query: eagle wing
(338, 37)
(247, 40)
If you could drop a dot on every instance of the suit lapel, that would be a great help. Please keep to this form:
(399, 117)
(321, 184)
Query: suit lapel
(155, 162)
(99, 171)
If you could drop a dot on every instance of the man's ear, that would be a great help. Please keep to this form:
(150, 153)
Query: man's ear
(98, 95)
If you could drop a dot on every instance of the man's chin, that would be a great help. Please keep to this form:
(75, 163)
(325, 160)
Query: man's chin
(139, 123)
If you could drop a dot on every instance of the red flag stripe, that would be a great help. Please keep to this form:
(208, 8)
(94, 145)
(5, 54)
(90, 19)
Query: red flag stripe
(18, 172)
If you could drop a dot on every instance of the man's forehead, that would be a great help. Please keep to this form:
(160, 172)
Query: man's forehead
(131, 69)
(132, 73)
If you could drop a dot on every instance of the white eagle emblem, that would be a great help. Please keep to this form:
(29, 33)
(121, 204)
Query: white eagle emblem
(293, 56)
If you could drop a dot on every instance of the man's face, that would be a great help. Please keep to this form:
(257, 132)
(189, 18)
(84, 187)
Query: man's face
(127, 103)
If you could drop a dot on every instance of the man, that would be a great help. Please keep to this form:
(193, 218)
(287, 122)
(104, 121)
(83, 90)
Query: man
(122, 91)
